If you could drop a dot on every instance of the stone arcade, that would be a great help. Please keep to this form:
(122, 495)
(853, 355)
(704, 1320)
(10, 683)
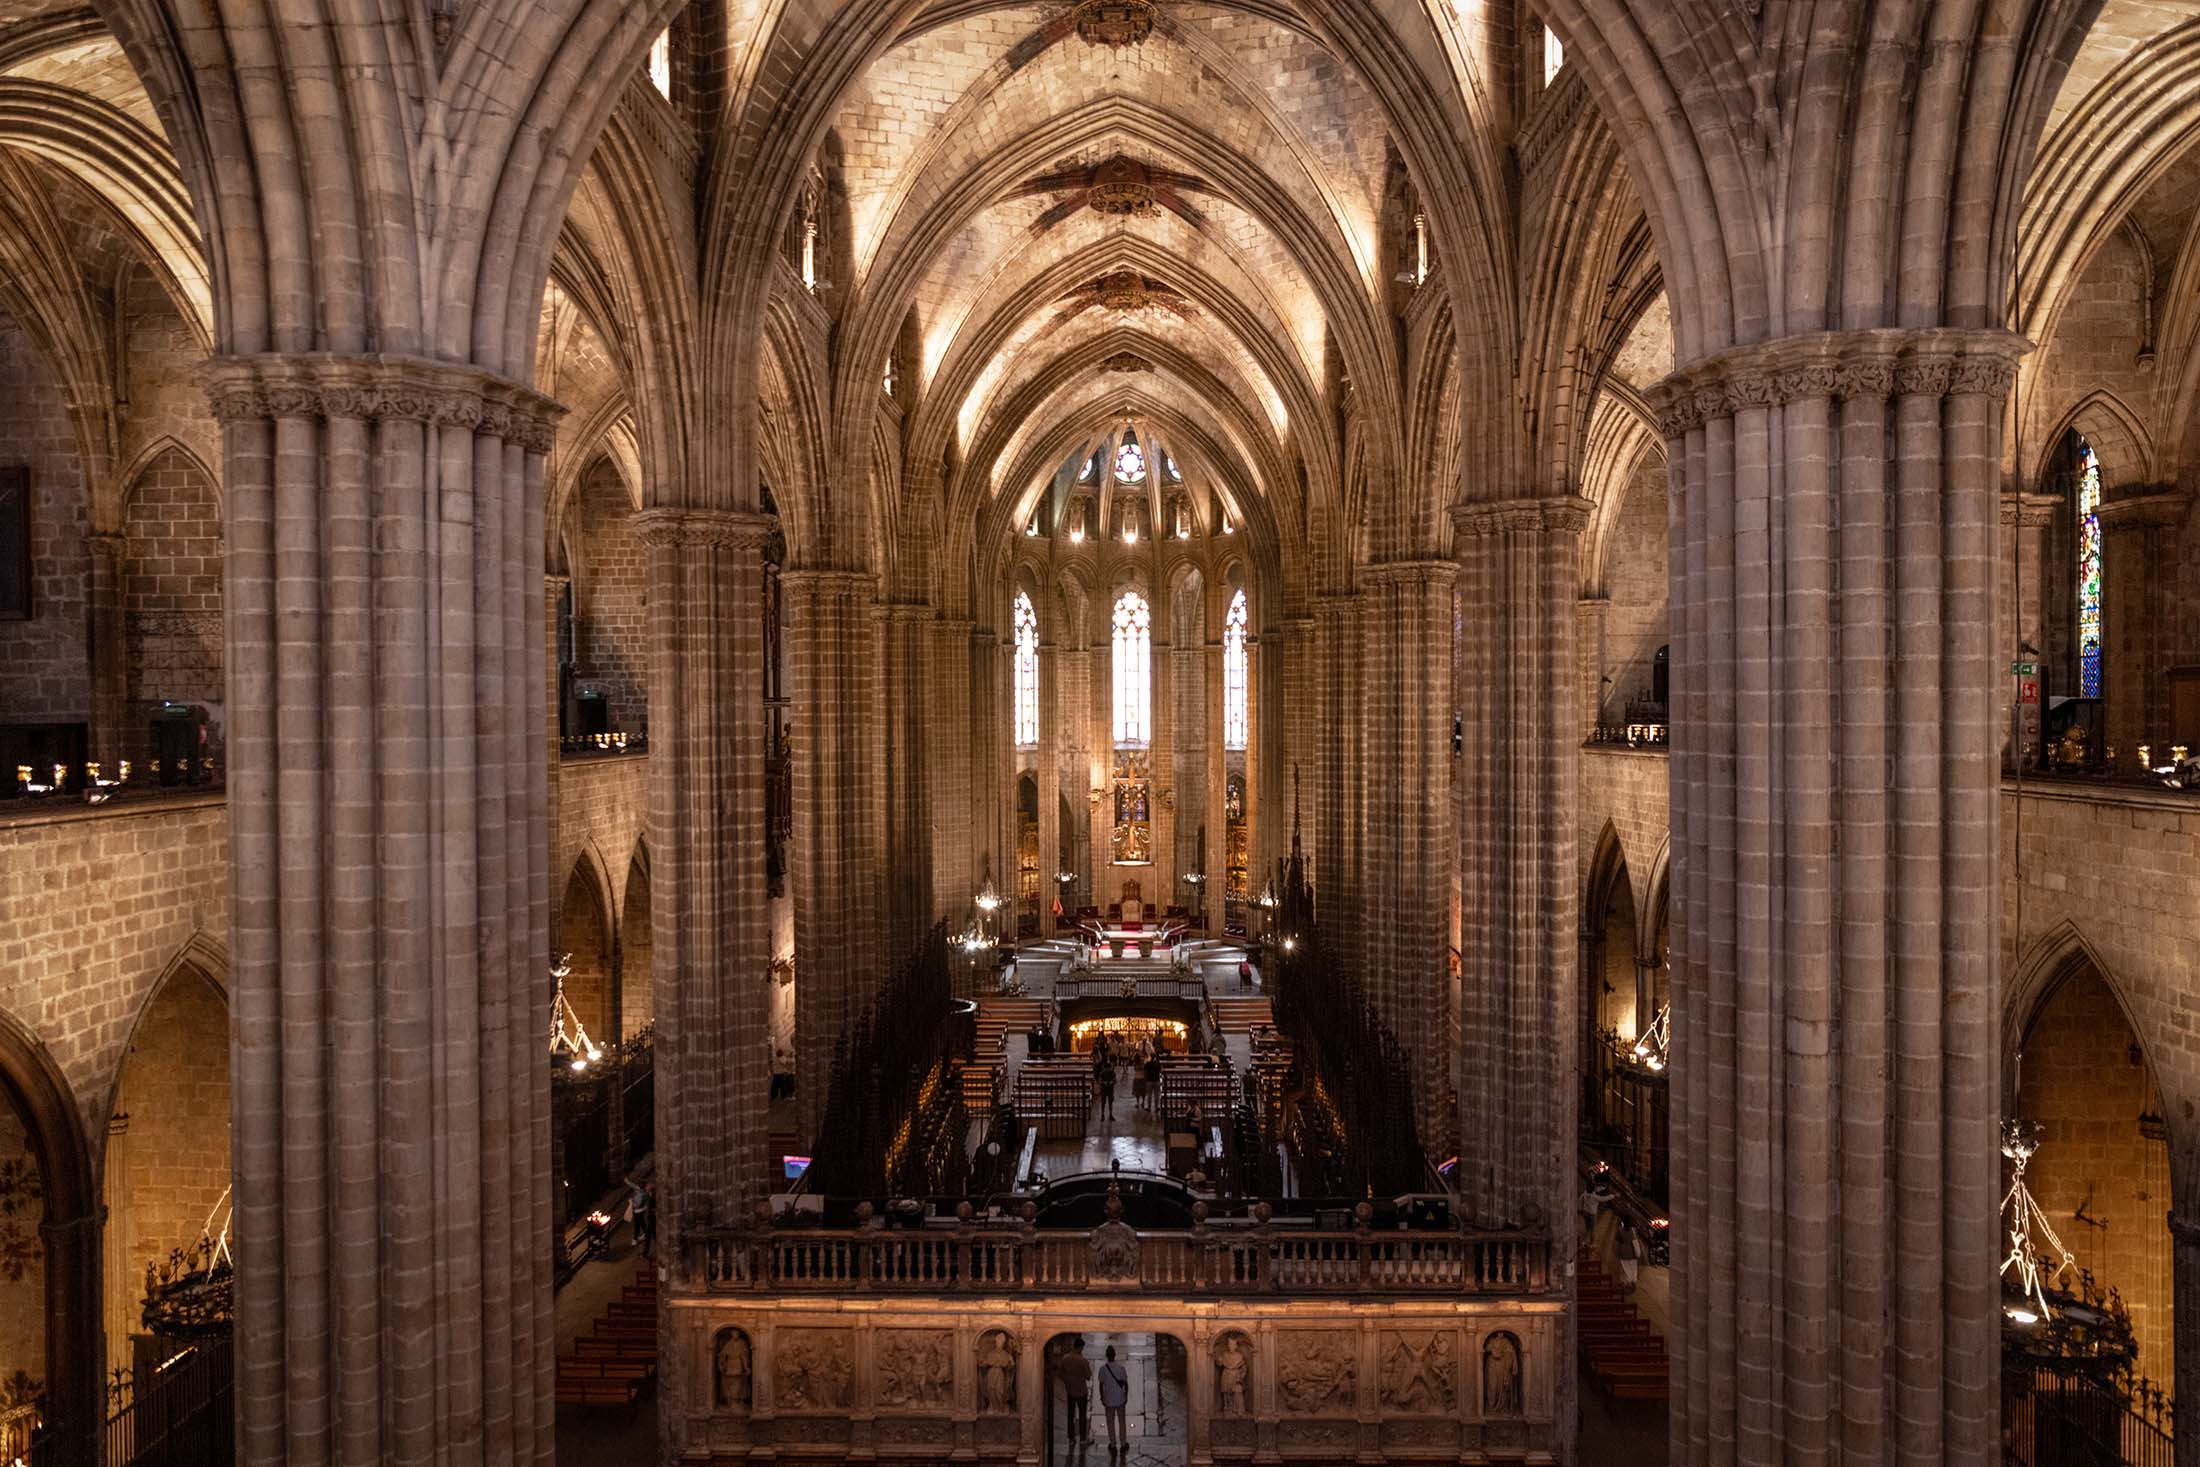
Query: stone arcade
(1456, 719)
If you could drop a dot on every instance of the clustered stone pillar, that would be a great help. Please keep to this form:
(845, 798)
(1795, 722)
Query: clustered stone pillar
(388, 976)
(1520, 750)
(832, 664)
(109, 641)
(1835, 986)
(1405, 895)
(709, 931)
(1336, 644)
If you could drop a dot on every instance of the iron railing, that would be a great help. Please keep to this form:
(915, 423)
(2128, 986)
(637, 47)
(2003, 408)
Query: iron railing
(2062, 1418)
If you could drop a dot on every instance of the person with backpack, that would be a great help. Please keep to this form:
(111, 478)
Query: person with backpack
(1115, 1395)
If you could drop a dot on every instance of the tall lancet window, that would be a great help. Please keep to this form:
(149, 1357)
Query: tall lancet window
(1133, 671)
(1234, 721)
(2089, 571)
(1027, 673)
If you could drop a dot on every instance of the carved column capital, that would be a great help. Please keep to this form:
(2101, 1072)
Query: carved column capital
(827, 582)
(375, 387)
(1837, 366)
(671, 526)
(1565, 514)
(1409, 572)
(2032, 511)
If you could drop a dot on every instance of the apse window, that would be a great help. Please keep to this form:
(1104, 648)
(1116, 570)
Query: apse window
(1130, 463)
(2089, 571)
(1133, 671)
(1554, 55)
(660, 63)
(1027, 672)
(1234, 720)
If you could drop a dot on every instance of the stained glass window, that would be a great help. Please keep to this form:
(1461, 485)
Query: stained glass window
(2089, 571)
(1130, 462)
(1233, 675)
(1133, 670)
(1027, 672)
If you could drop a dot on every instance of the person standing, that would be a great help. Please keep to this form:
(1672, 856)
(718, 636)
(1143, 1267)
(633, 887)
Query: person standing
(1076, 1375)
(1115, 1395)
(1107, 1092)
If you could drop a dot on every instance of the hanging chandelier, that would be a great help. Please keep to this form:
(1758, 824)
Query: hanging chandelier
(188, 1294)
(2025, 1275)
(569, 1041)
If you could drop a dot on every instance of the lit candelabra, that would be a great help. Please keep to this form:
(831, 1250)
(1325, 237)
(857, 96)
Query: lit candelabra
(569, 1039)
(2022, 1218)
(1651, 1049)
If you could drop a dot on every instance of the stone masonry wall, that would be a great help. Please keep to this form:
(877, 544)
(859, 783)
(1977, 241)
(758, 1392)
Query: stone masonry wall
(612, 604)
(172, 596)
(47, 659)
(94, 907)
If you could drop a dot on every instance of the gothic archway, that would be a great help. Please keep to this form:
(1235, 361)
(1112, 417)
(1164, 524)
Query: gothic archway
(65, 1218)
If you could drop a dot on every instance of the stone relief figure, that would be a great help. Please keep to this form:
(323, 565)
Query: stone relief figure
(997, 1372)
(1114, 1251)
(813, 1369)
(734, 1364)
(1316, 1372)
(916, 1368)
(1501, 1375)
(1418, 1378)
(1233, 1367)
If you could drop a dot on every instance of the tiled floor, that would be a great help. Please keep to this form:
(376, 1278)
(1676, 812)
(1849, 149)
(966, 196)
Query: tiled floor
(1154, 1419)
(1133, 1138)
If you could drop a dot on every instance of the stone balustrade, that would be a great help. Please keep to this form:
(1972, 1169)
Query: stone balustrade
(1114, 1258)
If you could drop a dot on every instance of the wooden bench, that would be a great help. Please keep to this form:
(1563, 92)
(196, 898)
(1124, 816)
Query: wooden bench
(1054, 1096)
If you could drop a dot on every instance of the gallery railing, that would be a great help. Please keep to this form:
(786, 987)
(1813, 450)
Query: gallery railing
(995, 1259)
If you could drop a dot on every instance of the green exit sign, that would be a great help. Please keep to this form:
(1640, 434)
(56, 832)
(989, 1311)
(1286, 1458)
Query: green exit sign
(2023, 669)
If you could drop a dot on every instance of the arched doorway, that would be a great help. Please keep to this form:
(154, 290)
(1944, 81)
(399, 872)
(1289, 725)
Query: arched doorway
(1156, 1374)
(167, 1159)
(2101, 1175)
(584, 937)
(50, 1351)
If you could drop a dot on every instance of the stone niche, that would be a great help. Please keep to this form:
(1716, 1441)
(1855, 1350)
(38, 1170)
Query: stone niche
(775, 1379)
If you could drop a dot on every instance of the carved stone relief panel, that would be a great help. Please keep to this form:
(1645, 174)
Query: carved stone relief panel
(1317, 1372)
(916, 1369)
(1420, 1372)
(814, 1369)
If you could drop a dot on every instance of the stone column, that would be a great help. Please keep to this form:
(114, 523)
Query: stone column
(389, 823)
(1214, 806)
(1405, 899)
(1835, 983)
(832, 659)
(1520, 748)
(901, 833)
(1337, 779)
(709, 928)
(1591, 613)
(1047, 774)
(110, 648)
(2026, 519)
(1520, 988)
(1297, 776)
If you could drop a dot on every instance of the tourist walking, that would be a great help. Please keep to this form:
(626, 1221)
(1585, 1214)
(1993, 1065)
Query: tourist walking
(1115, 1394)
(1075, 1372)
(1107, 1092)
